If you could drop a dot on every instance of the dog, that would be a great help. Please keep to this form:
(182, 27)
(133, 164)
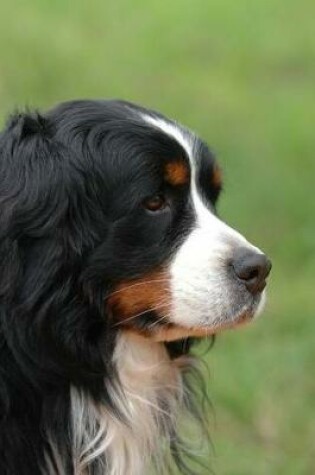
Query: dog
(113, 263)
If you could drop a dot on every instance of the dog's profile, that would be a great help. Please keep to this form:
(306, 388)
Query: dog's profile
(112, 263)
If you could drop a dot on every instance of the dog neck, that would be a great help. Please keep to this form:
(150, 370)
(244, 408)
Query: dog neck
(147, 400)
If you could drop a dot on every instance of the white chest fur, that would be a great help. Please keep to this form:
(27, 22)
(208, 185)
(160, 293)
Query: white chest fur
(148, 397)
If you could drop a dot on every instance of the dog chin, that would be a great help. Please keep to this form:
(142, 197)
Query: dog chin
(248, 313)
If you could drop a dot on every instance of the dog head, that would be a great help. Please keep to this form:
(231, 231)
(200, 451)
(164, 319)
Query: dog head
(214, 278)
(111, 208)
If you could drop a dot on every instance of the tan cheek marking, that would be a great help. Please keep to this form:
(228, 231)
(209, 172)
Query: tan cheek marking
(177, 173)
(132, 297)
(216, 177)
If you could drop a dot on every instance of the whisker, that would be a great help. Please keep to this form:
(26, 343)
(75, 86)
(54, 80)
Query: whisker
(136, 285)
(158, 321)
(157, 307)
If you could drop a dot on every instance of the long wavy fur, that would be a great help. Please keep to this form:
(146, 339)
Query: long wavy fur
(68, 405)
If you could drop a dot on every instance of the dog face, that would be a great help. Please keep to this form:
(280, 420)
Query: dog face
(214, 278)
(130, 202)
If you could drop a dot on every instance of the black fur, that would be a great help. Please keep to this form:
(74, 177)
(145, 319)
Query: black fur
(71, 227)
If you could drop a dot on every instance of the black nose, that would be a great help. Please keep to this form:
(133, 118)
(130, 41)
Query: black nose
(252, 269)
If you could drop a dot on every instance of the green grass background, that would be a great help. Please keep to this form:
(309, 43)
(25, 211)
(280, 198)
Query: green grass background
(242, 74)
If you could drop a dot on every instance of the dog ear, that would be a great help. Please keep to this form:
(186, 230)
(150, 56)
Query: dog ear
(32, 195)
(46, 225)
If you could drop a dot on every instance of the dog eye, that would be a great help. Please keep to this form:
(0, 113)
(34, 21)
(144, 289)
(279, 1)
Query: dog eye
(155, 203)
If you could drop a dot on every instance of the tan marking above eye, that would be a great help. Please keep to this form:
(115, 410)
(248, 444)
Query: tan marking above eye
(216, 177)
(177, 173)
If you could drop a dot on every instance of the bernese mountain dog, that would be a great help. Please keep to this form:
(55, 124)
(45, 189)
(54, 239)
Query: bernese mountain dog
(113, 261)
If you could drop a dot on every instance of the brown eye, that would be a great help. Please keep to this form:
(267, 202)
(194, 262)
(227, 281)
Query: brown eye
(155, 203)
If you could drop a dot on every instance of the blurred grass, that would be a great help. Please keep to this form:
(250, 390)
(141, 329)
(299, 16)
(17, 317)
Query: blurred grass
(242, 74)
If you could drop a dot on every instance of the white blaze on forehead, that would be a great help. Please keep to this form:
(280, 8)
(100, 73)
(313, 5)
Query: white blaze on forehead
(172, 130)
(199, 278)
(205, 218)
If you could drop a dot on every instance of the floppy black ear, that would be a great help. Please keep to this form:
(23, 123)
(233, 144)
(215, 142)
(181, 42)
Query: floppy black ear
(47, 223)
(28, 192)
(19, 142)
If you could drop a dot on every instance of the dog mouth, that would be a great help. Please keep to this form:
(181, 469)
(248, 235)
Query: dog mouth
(169, 331)
(163, 315)
(173, 332)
